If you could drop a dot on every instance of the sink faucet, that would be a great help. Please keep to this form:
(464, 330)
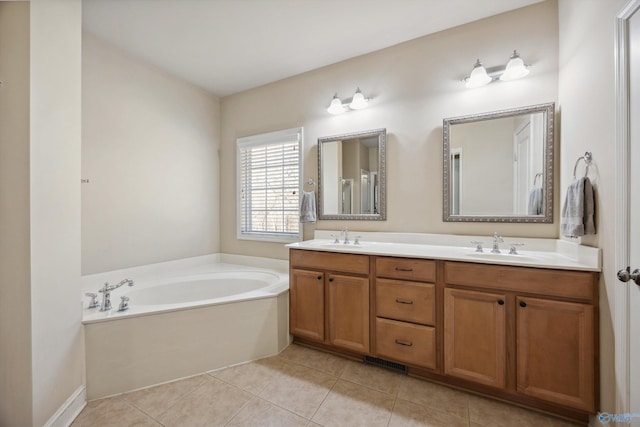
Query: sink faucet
(345, 233)
(106, 293)
(497, 239)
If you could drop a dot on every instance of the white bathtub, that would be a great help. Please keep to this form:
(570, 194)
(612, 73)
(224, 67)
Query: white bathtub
(186, 317)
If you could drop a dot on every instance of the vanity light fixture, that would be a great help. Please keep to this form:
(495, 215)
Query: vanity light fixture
(480, 76)
(357, 102)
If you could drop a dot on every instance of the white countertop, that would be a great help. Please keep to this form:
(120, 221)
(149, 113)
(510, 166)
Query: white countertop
(537, 253)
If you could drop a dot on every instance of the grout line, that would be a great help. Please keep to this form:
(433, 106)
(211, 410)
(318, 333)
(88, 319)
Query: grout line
(393, 409)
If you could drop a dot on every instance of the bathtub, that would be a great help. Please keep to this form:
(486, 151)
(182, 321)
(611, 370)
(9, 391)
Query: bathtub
(186, 317)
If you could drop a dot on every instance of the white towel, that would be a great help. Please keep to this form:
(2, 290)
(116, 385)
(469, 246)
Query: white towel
(579, 209)
(535, 201)
(308, 207)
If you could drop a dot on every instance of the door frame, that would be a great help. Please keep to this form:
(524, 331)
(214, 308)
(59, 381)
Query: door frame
(623, 148)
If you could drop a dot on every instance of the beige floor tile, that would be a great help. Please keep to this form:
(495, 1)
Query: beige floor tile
(409, 414)
(155, 400)
(213, 403)
(352, 405)
(373, 377)
(112, 412)
(434, 396)
(315, 359)
(253, 376)
(260, 413)
(299, 389)
(490, 413)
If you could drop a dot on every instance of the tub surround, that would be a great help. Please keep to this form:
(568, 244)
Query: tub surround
(148, 345)
(523, 331)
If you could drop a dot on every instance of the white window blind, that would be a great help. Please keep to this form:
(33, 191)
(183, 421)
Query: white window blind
(269, 186)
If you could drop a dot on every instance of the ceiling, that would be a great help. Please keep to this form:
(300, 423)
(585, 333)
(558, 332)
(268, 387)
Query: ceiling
(227, 46)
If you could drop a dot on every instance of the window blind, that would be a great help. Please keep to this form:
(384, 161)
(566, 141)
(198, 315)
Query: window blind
(268, 184)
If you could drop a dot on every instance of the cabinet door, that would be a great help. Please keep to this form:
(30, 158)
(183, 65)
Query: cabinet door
(555, 351)
(474, 336)
(307, 304)
(349, 312)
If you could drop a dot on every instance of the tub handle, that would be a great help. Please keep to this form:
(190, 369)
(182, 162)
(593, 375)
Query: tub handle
(94, 299)
(124, 303)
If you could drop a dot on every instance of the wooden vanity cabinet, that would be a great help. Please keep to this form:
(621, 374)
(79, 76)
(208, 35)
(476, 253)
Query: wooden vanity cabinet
(329, 298)
(520, 334)
(542, 319)
(475, 336)
(405, 310)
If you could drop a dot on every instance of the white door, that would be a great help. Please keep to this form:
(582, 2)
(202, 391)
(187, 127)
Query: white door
(627, 303)
(522, 168)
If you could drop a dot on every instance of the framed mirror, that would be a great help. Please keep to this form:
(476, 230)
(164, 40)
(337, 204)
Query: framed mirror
(352, 176)
(498, 166)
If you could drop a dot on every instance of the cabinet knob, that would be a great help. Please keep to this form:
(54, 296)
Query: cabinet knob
(331, 279)
(501, 302)
(319, 277)
(523, 304)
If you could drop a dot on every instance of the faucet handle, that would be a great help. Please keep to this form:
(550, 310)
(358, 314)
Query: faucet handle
(497, 238)
(335, 238)
(124, 303)
(357, 240)
(478, 246)
(513, 250)
(94, 299)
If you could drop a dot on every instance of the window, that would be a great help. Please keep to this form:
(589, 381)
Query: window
(269, 186)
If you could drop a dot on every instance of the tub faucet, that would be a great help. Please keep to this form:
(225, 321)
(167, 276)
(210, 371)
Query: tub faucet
(106, 293)
(497, 239)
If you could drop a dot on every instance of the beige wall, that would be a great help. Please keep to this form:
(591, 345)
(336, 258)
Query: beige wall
(587, 105)
(150, 151)
(15, 290)
(413, 86)
(57, 348)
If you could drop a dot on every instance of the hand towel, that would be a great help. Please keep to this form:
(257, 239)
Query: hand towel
(308, 207)
(579, 209)
(535, 201)
(589, 208)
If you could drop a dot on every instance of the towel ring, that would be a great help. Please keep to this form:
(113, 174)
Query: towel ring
(587, 159)
(310, 181)
(535, 178)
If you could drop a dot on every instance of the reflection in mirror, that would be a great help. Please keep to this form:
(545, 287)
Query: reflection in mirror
(498, 167)
(351, 175)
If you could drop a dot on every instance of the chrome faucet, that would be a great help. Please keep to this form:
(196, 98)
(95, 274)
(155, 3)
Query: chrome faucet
(497, 239)
(345, 233)
(106, 293)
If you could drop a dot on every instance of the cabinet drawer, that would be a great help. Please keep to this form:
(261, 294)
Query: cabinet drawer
(406, 268)
(408, 301)
(547, 282)
(406, 342)
(344, 263)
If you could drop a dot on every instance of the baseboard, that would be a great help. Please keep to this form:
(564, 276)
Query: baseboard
(68, 412)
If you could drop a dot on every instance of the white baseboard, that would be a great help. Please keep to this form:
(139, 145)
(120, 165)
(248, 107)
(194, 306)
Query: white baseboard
(68, 412)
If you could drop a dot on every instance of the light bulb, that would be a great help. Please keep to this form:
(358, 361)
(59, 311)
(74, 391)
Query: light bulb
(358, 102)
(515, 68)
(478, 77)
(336, 106)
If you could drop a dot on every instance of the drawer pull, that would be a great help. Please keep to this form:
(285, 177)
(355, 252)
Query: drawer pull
(404, 343)
(408, 270)
(401, 301)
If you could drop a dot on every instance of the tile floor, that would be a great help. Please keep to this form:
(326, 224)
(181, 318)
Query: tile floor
(305, 387)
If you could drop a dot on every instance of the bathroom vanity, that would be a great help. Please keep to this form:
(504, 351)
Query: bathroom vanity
(520, 328)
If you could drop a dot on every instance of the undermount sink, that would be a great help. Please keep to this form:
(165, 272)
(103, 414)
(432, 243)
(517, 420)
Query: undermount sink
(332, 245)
(501, 256)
